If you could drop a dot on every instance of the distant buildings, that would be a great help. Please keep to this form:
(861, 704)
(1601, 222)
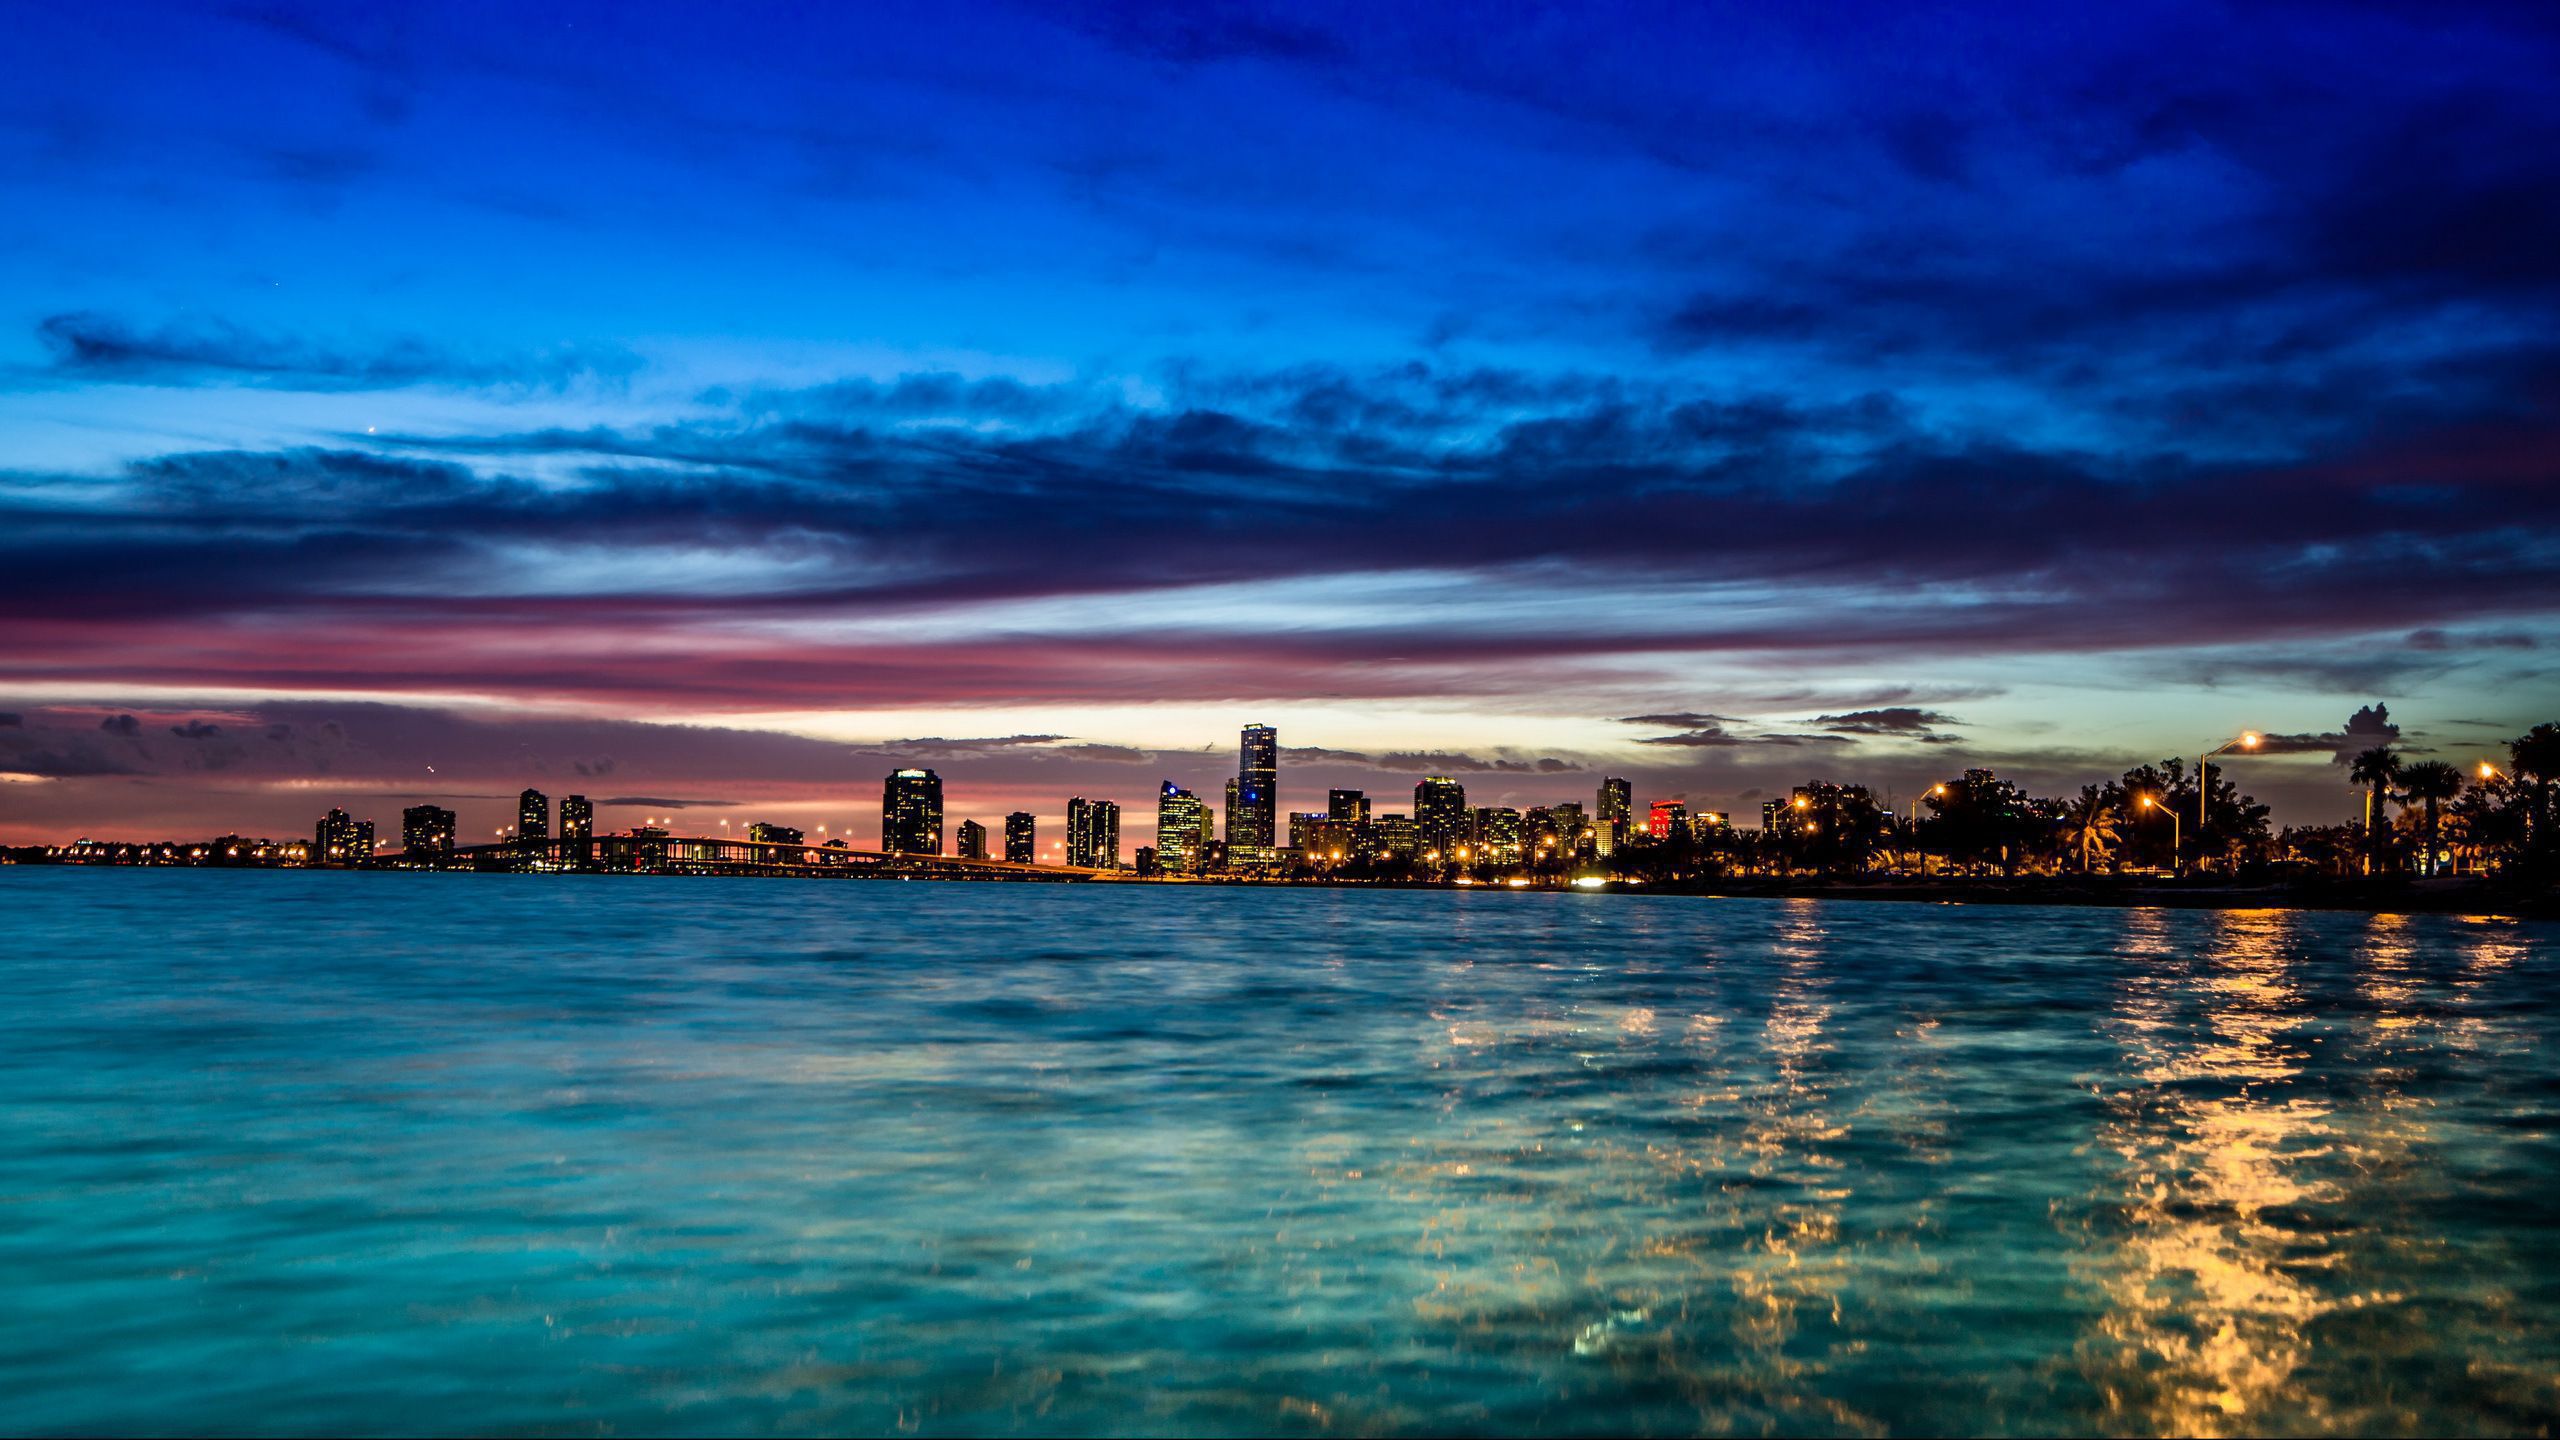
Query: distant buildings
(577, 818)
(426, 832)
(1093, 833)
(533, 816)
(341, 840)
(911, 813)
(973, 840)
(763, 832)
(1182, 825)
(1253, 801)
(1497, 834)
(1351, 807)
(1018, 845)
(1441, 819)
(1609, 823)
(1668, 819)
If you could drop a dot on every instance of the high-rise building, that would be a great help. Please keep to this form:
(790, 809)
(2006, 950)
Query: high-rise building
(1019, 847)
(426, 831)
(341, 840)
(1304, 823)
(1093, 833)
(1441, 819)
(1667, 820)
(1348, 806)
(973, 840)
(1498, 834)
(911, 813)
(1616, 810)
(577, 818)
(1253, 805)
(533, 816)
(763, 832)
(1397, 836)
(1182, 823)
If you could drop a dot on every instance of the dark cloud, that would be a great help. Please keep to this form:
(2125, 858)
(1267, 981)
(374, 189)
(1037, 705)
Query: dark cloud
(2371, 725)
(662, 802)
(11, 720)
(1446, 762)
(99, 347)
(125, 725)
(196, 730)
(1898, 722)
(1695, 718)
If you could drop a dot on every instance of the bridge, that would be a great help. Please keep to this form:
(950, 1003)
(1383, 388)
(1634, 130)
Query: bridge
(717, 855)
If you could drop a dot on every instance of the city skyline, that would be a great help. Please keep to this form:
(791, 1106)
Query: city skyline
(386, 411)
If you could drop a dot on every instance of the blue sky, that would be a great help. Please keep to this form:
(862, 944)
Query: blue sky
(750, 399)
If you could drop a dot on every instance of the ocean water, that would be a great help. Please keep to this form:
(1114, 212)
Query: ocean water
(435, 1153)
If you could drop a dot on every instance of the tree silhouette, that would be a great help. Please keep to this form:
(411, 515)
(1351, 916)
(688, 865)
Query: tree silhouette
(2429, 783)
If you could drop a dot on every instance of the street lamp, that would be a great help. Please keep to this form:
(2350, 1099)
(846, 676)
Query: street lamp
(2176, 861)
(1934, 790)
(2245, 740)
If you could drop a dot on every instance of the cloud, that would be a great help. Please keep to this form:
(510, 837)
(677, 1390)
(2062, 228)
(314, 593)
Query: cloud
(1898, 722)
(11, 720)
(196, 730)
(1446, 762)
(125, 725)
(662, 802)
(90, 346)
(1693, 718)
(2369, 726)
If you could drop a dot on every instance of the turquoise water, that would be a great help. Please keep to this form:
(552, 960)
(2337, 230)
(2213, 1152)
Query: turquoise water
(401, 1153)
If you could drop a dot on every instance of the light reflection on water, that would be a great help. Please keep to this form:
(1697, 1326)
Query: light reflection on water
(379, 1153)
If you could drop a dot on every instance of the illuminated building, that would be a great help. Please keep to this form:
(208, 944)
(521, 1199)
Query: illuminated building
(1498, 833)
(341, 840)
(1570, 825)
(1348, 806)
(1182, 826)
(533, 816)
(1667, 820)
(577, 818)
(1303, 823)
(1616, 810)
(1093, 833)
(1253, 802)
(1145, 860)
(911, 813)
(763, 831)
(1397, 835)
(973, 840)
(426, 831)
(1018, 845)
(1441, 819)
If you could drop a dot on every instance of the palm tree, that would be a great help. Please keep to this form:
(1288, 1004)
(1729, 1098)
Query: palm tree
(2092, 826)
(2429, 783)
(2375, 770)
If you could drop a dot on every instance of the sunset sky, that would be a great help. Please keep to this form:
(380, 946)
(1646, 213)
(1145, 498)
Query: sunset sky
(718, 408)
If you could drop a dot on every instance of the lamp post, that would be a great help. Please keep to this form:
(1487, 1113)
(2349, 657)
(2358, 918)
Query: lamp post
(1915, 825)
(2245, 740)
(2177, 862)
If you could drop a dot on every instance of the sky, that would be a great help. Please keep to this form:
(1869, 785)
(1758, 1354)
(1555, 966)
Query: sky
(711, 409)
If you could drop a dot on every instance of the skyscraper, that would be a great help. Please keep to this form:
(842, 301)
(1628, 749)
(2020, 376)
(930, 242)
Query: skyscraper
(533, 816)
(911, 813)
(577, 818)
(1093, 833)
(1441, 820)
(1180, 819)
(973, 840)
(1616, 810)
(426, 831)
(1349, 806)
(1667, 820)
(1018, 845)
(341, 839)
(1253, 802)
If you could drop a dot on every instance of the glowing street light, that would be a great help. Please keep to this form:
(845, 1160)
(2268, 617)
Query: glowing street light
(2245, 740)
(2177, 862)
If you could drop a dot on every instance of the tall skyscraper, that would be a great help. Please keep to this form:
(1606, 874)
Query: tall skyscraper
(1441, 819)
(1253, 802)
(341, 839)
(973, 840)
(533, 816)
(1349, 806)
(1180, 821)
(1093, 833)
(426, 831)
(1019, 848)
(1616, 810)
(577, 818)
(911, 813)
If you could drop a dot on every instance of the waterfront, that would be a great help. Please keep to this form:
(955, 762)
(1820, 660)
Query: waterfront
(387, 1153)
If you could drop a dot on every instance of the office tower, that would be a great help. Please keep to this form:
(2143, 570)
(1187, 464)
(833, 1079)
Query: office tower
(1349, 806)
(1018, 845)
(1667, 820)
(1441, 819)
(763, 831)
(1396, 835)
(1498, 832)
(1303, 824)
(911, 813)
(1617, 808)
(341, 840)
(533, 816)
(1093, 833)
(1181, 823)
(1253, 803)
(577, 818)
(426, 831)
(973, 840)
(1147, 863)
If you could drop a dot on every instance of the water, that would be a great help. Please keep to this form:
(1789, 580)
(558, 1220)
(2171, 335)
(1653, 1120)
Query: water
(388, 1153)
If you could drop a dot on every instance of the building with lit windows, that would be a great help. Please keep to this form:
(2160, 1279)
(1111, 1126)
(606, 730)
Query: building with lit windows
(973, 840)
(426, 832)
(1182, 825)
(1093, 833)
(1441, 819)
(577, 818)
(1019, 847)
(763, 832)
(911, 813)
(1667, 820)
(1253, 802)
(341, 840)
(1351, 807)
(533, 816)
(1498, 834)
(1397, 836)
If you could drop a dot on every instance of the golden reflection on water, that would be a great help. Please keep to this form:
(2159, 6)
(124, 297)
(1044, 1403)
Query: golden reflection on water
(2210, 1279)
